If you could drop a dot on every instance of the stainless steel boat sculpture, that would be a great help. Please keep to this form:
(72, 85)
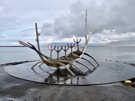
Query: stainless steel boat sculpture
(72, 64)
(74, 67)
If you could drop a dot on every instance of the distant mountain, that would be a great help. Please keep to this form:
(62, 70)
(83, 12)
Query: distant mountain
(122, 43)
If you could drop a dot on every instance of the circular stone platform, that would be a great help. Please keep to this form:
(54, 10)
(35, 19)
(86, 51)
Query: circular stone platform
(107, 72)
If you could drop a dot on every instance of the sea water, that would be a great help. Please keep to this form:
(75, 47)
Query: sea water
(101, 53)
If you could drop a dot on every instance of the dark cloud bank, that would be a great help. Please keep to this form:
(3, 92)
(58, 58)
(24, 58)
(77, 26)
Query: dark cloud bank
(116, 15)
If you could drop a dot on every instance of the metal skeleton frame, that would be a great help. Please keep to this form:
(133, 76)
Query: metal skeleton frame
(67, 60)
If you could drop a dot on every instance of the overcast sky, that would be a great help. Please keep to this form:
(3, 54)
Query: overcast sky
(28, 11)
(65, 18)
(18, 16)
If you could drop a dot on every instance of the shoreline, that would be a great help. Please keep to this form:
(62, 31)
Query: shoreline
(11, 46)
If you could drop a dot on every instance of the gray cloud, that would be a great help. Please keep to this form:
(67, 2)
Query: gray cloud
(103, 14)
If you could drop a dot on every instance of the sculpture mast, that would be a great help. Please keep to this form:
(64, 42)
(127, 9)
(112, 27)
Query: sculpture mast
(37, 36)
(86, 23)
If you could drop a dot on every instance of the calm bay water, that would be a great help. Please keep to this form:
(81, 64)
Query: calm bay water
(122, 53)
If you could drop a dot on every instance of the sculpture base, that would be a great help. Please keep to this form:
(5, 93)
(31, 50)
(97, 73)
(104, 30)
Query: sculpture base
(107, 72)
